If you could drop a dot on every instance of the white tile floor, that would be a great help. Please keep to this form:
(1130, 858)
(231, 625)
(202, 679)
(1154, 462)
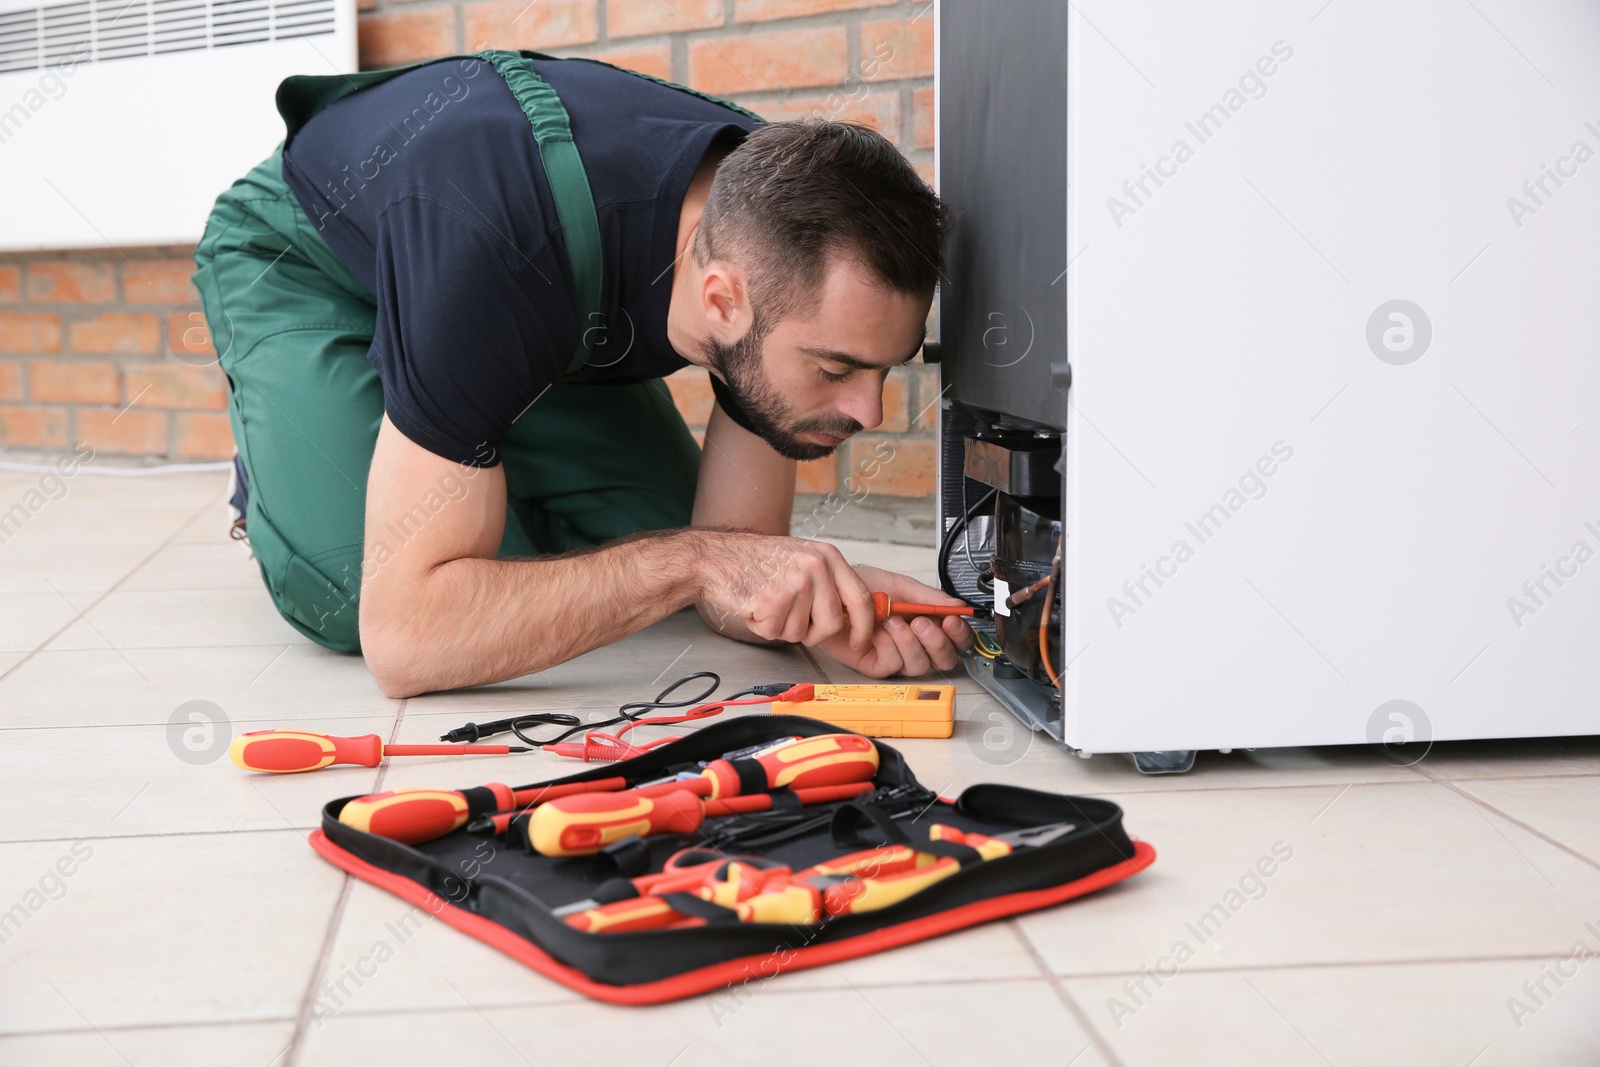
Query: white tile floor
(157, 910)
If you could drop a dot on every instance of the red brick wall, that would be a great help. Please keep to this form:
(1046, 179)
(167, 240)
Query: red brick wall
(112, 350)
(109, 348)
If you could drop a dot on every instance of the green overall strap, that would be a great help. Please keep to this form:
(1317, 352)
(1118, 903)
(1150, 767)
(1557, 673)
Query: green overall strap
(569, 187)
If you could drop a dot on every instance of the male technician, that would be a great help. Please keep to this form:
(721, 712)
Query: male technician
(444, 334)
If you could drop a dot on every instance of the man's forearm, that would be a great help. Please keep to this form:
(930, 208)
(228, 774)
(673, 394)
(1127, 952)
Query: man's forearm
(476, 621)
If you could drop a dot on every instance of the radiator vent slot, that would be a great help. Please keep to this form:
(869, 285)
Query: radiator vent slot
(98, 31)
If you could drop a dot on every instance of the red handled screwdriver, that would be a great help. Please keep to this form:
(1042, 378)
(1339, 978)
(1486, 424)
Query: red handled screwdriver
(798, 763)
(293, 751)
(827, 759)
(412, 816)
(883, 607)
(584, 824)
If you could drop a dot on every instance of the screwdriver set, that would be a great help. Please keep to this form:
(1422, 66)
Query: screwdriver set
(755, 845)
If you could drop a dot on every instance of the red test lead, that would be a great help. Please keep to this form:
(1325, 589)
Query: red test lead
(602, 746)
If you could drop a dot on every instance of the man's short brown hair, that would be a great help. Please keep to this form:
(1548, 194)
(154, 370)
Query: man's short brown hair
(795, 193)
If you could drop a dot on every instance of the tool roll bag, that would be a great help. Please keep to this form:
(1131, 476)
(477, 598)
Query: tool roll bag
(502, 893)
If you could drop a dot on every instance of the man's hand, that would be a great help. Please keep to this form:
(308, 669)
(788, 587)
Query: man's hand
(784, 589)
(758, 585)
(789, 589)
(904, 646)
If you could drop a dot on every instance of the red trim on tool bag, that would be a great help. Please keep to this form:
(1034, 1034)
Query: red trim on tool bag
(716, 976)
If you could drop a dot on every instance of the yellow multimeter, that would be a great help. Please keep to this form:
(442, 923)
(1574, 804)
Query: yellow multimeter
(880, 710)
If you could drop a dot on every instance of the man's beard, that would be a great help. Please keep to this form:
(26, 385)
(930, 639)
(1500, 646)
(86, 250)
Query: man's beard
(764, 407)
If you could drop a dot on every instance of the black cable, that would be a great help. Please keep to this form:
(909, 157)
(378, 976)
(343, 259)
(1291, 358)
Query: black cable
(661, 698)
(473, 731)
(770, 689)
(966, 547)
(623, 714)
(949, 541)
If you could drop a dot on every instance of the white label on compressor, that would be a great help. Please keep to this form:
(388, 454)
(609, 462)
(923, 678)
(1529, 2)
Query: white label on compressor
(1002, 593)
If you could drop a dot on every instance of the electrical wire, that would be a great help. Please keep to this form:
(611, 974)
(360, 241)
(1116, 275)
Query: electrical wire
(632, 717)
(767, 690)
(1044, 616)
(472, 731)
(985, 646)
(949, 540)
(966, 546)
(611, 746)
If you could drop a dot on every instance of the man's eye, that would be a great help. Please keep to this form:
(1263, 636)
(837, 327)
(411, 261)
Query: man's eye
(828, 376)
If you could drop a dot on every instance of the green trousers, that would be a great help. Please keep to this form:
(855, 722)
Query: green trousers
(291, 325)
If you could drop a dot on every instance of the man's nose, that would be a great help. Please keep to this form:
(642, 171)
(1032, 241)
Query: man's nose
(864, 403)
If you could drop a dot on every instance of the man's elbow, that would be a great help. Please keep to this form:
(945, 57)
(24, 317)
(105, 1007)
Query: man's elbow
(393, 654)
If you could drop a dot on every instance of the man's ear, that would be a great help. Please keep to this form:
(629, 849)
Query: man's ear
(722, 299)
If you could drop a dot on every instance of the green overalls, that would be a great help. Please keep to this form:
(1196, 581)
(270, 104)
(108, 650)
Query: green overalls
(292, 327)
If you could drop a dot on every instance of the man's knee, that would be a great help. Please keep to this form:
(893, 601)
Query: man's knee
(335, 623)
(331, 621)
(320, 599)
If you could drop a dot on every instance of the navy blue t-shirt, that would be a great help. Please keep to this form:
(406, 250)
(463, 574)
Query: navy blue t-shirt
(429, 188)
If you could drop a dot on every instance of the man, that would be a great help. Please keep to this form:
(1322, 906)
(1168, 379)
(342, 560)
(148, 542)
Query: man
(445, 306)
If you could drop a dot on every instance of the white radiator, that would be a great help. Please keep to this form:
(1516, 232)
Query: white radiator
(121, 120)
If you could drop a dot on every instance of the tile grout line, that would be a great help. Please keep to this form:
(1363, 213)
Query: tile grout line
(154, 835)
(181, 1024)
(809, 990)
(1092, 1032)
(1514, 821)
(566, 1000)
(111, 589)
(291, 1057)
(1521, 777)
(805, 654)
(577, 999)
(195, 588)
(275, 718)
(241, 719)
(163, 648)
(1421, 779)
(394, 738)
(1315, 965)
(1236, 787)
